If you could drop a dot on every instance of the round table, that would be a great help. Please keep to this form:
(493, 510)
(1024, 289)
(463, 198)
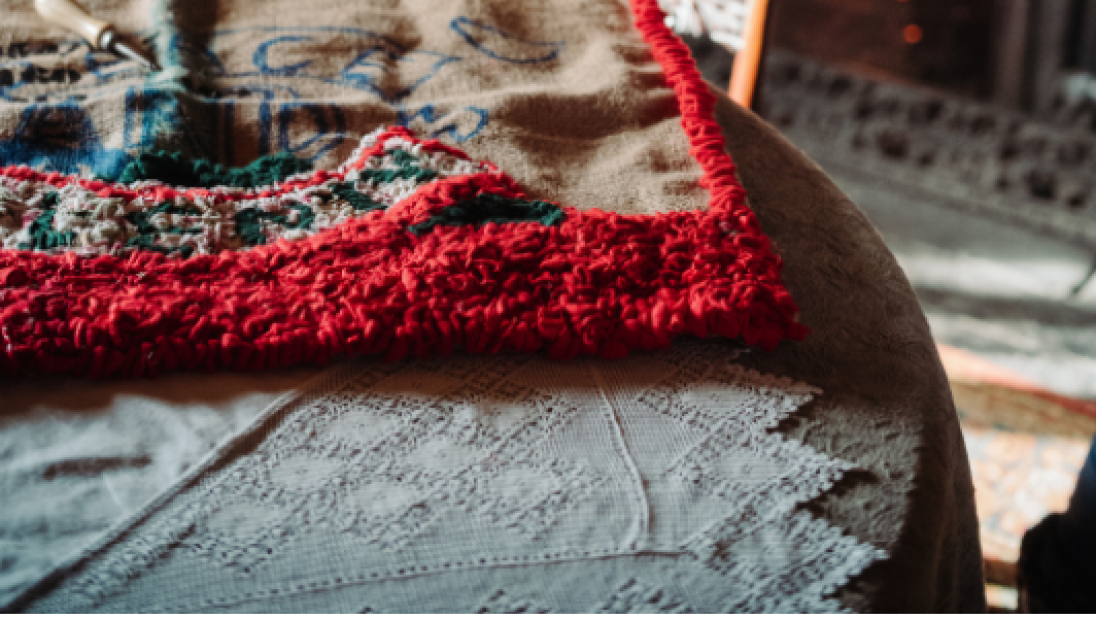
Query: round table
(887, 405)
(885, 408)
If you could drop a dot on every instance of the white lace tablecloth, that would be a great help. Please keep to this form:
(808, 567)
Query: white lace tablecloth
(678, 481)
(650, 484)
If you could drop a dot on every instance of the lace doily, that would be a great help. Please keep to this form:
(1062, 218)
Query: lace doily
(495, 484)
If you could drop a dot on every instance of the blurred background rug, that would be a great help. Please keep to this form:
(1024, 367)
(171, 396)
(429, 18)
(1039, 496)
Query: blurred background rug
(990, 211)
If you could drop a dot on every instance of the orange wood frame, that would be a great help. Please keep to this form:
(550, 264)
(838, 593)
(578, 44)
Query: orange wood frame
(747, 61)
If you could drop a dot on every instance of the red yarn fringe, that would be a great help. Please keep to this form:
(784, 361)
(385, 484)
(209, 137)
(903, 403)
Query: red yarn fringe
(697, 107)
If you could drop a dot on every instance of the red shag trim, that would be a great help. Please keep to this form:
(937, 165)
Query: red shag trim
(598, 284)
(696, 104)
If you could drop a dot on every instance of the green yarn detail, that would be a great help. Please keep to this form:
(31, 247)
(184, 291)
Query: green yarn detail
(308, 217)
(407, 170)
(147, 232)
(360, 203)
(41, 231)
(418, 174)
(249, 223)
(401, 157)
(489, 208)
(177, 170)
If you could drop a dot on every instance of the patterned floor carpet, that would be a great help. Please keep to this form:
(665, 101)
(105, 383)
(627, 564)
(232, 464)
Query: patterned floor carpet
(1019, 478)
(1026, 448)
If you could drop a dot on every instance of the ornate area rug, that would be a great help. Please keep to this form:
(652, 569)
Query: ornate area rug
(407, 249)
(1026, 446)
(500, 484)
(959, 153)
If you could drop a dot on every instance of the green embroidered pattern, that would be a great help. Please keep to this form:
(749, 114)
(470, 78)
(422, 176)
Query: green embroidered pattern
(489, 208)
(176, 170)
(250, 223)
(41, 232)
(407, 169)
(359, 201)
(148, 229)
(39, 216)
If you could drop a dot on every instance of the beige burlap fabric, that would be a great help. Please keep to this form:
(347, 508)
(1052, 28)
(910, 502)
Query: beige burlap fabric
(561, 95)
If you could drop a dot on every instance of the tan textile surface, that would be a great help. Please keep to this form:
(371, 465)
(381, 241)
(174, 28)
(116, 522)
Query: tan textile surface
(565, 97)
(567, 100)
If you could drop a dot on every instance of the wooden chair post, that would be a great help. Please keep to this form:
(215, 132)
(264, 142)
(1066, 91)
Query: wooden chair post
(747, 62)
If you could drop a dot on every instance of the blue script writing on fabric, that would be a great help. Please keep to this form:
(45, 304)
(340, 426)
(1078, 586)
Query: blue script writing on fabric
(290, 86)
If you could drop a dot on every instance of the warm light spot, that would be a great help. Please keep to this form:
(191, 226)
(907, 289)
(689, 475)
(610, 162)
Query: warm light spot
(912, 34)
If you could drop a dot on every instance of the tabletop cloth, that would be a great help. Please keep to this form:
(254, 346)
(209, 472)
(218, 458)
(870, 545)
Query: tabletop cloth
(851, 441)
(500, 484)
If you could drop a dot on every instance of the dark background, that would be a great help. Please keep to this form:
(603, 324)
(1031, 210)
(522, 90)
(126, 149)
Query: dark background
(1012, 52)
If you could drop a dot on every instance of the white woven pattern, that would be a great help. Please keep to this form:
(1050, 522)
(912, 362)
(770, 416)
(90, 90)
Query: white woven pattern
(495, 484)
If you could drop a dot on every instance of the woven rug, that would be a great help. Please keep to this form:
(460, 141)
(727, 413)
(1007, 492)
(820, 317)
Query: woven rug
(407, 248)
(1026, 448)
